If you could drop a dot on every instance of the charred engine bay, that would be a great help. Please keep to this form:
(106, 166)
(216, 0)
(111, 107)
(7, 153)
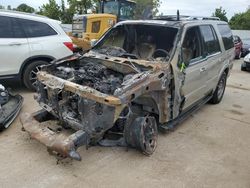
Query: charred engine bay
(92, 74)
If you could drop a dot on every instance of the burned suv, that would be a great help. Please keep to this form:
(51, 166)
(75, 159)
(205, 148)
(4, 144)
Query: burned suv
(141, 76)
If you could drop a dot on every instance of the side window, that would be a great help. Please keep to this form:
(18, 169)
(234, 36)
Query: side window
(5, 25)
(211, 43)
(191, 46)
(36, 29)
(96, 27)
(226, 35)
(17, 29)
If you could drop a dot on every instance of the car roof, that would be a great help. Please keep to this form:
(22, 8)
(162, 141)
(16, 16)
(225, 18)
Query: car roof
(29, 16)
(170, 23)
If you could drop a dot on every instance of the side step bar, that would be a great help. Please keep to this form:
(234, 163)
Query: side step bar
(56, 142)
(184, 115)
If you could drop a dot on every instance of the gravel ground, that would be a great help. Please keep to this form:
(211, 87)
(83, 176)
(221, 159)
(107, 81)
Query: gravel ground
(209, 149)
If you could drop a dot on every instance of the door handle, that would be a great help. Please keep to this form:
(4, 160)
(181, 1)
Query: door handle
(203, 69)
(15, 44)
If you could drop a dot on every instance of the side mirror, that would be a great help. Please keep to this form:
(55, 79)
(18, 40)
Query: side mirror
(93, 42)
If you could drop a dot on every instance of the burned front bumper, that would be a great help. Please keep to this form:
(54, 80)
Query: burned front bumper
(10, 110)
(89, 116)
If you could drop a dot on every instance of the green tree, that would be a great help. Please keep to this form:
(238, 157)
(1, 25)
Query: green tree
(66, 13)
(241, 21)
(51, 10)
(24, 8)
(2, 7)
(220, 13)
(146, 8)
(81, 6)
(9, 7)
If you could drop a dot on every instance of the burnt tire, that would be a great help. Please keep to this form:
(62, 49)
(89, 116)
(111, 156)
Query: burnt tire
(29, 74)
(141, 133)
(220, 89)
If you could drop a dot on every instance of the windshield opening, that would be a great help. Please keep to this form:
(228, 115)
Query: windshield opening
(138, 41)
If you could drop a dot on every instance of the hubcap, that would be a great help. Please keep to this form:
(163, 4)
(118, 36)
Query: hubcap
(33, 75)
(221, 87)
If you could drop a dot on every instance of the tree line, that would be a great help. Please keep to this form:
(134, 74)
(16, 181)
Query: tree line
(66, 13)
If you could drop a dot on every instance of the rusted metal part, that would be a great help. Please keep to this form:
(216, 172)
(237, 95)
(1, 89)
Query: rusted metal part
(56, 142)
(84, 91)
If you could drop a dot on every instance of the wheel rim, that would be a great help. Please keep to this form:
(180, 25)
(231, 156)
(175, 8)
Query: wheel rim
(221, 87)
(149, 136)
(142, 134)
(33, 75)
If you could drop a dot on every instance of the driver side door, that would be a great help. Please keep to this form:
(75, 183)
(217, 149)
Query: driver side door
(194, 87)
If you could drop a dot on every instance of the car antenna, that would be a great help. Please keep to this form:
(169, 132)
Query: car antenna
(178, 15)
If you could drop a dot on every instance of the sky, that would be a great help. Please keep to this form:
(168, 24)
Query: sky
(190, 7)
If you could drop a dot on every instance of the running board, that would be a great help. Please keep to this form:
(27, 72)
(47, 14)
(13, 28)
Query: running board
(184, 115)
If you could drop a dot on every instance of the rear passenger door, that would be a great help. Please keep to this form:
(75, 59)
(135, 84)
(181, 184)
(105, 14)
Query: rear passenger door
(14, 48)
(212, 55)
(42, 38)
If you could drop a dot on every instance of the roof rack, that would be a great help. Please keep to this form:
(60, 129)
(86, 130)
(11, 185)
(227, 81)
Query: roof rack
(184, 18)
(23, 13)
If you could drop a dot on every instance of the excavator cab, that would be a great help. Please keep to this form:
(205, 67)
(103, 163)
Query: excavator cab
(90, 27)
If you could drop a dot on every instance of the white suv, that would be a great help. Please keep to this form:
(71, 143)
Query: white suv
(28, 41)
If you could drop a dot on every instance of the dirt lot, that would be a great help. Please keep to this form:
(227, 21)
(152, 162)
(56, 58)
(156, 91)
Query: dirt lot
(210, 149)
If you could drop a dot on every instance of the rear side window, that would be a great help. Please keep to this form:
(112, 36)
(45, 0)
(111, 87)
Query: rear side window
(36, 29)
(211, 43)
(226, 35)
(5, 25)
(10, 28)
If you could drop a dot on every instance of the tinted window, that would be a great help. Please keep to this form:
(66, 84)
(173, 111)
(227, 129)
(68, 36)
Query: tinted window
(226, 35)
(5, 27)
(17, 29)
(211, 43)
(96, 27)
(10, 28)
(36, 29)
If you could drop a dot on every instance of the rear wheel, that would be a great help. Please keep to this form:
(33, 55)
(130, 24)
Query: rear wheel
(238, 56)
(243, 67)
(30, 74)
(220, 89)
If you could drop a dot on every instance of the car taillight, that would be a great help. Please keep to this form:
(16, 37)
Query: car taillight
(69, 45)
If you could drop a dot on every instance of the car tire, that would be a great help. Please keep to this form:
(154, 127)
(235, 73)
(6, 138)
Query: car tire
(141, 132)
(243, 68)
(29, 74)
(238, 56)
(220, 89)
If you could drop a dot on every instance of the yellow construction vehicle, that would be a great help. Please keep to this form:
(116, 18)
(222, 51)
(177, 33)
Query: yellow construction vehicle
(90, 27)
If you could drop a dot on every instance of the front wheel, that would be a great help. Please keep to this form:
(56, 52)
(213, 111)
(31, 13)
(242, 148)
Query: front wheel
(220, 89)
(30, 74)
(141, 133)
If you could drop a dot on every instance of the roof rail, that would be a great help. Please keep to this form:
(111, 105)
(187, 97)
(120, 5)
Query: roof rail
(23, 13)
(184, 18)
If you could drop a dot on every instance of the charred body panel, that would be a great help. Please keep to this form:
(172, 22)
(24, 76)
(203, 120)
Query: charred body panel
(10, 105)
(95, 94)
